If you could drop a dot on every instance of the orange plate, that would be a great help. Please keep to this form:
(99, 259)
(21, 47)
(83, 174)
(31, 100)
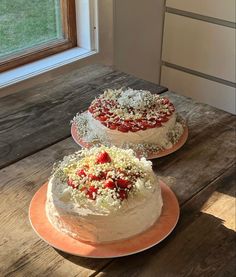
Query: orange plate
(154, 155)
(159, 231)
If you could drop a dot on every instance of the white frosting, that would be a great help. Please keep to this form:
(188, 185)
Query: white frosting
(92, 223)
(136, 99)
(157, 136)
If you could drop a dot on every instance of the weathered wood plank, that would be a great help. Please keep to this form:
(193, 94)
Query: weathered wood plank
(33, 119)
(203, 244)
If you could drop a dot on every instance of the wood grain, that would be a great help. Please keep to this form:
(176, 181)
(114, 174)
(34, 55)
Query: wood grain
(33, 119)
(201, 245)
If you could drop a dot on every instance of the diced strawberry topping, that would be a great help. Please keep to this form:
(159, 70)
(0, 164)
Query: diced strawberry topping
(102, 118)
(122, 194)
(94, 177)
(103, 175)
(122, 183)
(164, 119)
(104, 123)
(123, 128)
(142, 126)
(145, 124)
(103, 157)
(81, 173)
(92, 192)
(112, 126)
(109, 184)
(165, 101)
(71, 183)
(91, 109)
(158, 124)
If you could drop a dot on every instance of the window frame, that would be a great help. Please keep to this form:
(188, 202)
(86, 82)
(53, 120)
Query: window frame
(68, 9)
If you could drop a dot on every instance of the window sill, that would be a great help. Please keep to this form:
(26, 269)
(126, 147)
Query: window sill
(35, 68)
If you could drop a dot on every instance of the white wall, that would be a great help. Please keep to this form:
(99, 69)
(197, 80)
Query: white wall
(137, 37)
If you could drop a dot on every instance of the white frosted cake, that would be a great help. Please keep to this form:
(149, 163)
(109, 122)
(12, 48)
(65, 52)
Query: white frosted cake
(103, 194)
(127, 118)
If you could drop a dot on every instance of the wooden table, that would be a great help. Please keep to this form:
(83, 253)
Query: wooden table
(35, 132)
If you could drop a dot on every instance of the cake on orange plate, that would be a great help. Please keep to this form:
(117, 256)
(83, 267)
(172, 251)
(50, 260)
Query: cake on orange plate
(103, 194)
(130, 118)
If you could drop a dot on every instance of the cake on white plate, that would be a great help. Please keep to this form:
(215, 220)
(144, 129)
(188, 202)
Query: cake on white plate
(103, 194)
(130, 118)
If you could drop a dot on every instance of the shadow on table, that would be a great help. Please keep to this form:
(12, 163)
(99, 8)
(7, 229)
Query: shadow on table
(199, 246)
(202, 248)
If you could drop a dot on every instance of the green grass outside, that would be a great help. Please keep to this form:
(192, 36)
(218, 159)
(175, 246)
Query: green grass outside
(26, 23)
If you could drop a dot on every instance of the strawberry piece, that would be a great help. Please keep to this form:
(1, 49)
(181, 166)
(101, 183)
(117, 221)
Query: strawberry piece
(164, 119)
(102, 118)
(103, 175)
(92, 192)
(71, 183)
(109, 184)
(165, 101)
(104, 123)
(110, 113)
(122, 194)
(81, 173)
(122, 183)
(128, 125)
(94, 177)
(123, 128)
(91, 109)
(145, 124)
(112, 126)
(142, 126)
(158, 124)
(103, 157)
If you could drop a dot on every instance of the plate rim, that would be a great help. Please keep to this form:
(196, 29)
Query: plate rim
(182, 140)
(40, 195)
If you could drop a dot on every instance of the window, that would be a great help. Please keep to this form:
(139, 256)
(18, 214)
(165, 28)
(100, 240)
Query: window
(33, 29)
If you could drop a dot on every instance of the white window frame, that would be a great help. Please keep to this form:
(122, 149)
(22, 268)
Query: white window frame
(87, 45)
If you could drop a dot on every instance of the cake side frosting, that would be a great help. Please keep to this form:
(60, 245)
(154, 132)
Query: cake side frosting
(157, 136)
(108, 215)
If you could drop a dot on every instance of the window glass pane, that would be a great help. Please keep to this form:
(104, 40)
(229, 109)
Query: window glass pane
(28, 23)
